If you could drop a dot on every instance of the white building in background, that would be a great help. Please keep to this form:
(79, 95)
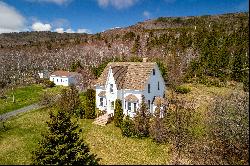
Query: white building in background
(64, 78)
(43, 74)
(128, 81)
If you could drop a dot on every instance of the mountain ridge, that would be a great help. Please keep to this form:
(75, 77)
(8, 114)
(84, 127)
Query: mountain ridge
(171, 39)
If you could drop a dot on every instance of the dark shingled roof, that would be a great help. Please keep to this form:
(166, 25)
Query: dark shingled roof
(128, 75)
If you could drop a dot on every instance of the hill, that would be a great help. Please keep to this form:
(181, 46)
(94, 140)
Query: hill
(190, 47)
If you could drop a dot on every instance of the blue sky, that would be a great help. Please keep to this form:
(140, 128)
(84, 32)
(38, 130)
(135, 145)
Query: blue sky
(94, 16)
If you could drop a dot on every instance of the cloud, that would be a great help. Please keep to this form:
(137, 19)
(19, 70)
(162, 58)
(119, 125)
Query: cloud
(118, 4)
(38, 26)
(146, 14)
(69, 30)
(10, 19)
(59, 30)
(58, 2)
(82, 30)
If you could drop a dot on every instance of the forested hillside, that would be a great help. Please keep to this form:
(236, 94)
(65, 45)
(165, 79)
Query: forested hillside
(191, 48)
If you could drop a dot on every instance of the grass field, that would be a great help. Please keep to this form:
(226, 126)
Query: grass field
(21, 136)
(24, 96)
(23, 133)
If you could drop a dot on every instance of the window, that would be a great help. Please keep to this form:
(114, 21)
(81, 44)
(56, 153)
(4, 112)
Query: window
(101, 101)
(134, 107)
(61, 80)
(53, 79)
(149, 104)
(112, 105)
(148, 88)
(111, 87)
(153, 71)
(56, 80)
(158, 85)
(125, 104)
(129, 106)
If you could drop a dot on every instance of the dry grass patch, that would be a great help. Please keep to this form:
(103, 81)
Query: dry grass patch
(108, 143)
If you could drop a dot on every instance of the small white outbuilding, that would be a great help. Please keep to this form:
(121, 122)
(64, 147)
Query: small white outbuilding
(64, 78)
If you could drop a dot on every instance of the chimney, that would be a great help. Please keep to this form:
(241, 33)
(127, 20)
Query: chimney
(144, 59)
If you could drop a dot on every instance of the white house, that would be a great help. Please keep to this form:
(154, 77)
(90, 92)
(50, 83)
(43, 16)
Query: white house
(128, 81)
(64, 78)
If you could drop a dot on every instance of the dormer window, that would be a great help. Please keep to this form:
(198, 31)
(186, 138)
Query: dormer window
(111, 88)
(153, 71)
(158, 85)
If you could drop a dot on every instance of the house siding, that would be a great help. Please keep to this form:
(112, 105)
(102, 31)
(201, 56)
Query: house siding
(111, 96)
(153, 81)
(62, 80)
(98, 104)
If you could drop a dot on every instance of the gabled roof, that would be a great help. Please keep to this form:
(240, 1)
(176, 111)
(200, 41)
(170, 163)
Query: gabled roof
(61, 73)
(102, 93)
(128, 75)
(131, 98)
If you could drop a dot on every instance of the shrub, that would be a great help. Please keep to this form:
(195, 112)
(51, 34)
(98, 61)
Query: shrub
(157, 128)
(229, 129)
(90, 104)
(141, 120)
(69, 100)
(128, 127)
(246, 84)
(182, 89)
(48, 84)
(118, 113)
(47, 99)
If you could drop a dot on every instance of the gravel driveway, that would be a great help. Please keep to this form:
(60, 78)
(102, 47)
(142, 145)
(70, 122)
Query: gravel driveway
(24, 109)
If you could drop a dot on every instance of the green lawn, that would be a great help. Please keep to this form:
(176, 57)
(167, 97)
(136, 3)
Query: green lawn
(24, 132)
(24, 96)
(21, 136)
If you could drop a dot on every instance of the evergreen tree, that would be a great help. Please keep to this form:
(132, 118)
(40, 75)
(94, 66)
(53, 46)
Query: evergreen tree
(90, 104)
(136, 46)
(141, 120)
(128, 127)
(237, 67)
(62, 145)
(75, 65)
(118, 113)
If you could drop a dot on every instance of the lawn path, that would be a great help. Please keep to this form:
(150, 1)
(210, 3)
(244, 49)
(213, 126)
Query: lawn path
(21, 110)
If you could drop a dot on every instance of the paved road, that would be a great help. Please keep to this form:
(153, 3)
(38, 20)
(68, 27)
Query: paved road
(24, 109)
